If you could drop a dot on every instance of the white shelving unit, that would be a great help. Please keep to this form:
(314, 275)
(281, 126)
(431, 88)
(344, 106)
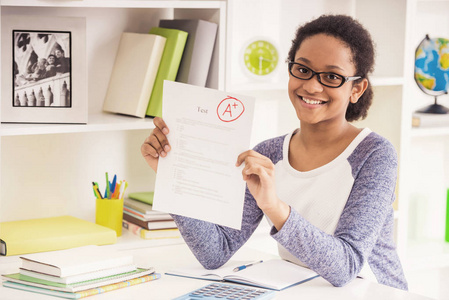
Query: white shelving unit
(47, 169)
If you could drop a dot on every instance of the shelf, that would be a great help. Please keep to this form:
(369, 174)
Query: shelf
(431, 131)
(96, 122)
(115, 3)
(428, 253)
(386, 81)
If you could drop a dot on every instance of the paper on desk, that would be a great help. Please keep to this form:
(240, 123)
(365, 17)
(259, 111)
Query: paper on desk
(208, 130)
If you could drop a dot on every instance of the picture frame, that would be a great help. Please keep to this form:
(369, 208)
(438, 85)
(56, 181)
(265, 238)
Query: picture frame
(44, 70)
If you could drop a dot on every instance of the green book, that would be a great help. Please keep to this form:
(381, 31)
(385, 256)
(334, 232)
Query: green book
(79, 286)
(84, 293)
(169, 66)
(145, 197)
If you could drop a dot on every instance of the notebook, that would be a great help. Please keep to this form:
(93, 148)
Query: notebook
(80, 277)
(85, 293)
(76, 287)
(275, 274)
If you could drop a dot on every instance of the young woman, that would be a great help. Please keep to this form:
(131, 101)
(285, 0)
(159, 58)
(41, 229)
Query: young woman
(327, 187)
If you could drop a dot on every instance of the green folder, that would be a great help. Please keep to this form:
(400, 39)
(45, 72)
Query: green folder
(168, 68)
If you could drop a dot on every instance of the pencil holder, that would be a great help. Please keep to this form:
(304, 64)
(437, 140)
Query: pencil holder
(109, 213)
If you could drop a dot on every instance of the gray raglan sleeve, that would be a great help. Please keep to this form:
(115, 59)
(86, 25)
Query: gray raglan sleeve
(340, 257)
(213, 245)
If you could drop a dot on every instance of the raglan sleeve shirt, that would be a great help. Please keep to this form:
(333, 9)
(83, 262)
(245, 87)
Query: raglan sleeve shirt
(363, 232)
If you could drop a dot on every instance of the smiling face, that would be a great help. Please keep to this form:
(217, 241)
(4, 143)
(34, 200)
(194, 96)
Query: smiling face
(313, 102)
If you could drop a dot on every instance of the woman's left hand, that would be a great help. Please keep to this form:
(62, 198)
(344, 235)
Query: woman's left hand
(259, 176)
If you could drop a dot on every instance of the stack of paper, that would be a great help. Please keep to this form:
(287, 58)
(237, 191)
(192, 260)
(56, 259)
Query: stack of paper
(140, 218)
(78, 272)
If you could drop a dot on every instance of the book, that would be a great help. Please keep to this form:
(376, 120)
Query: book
(197, 56)
(150, 225)
(430, 120)
(85, 293)
(79, 277)
(76, 287)
(168, 68)
(151, 234)
(75, 261)
(274, 274)
(134, 72)
(49, 234)
(145, 197)
(148, 217)
(141, 207)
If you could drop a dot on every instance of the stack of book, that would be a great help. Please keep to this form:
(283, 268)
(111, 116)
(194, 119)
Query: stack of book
(140, 218)
(178, 50)
(78, 272)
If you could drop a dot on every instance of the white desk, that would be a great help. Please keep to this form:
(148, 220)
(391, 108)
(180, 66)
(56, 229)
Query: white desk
(164, 258)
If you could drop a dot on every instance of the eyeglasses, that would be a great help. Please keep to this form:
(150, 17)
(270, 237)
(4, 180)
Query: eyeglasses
(329, 79)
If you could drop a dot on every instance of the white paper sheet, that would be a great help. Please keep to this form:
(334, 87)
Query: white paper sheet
(208, 130)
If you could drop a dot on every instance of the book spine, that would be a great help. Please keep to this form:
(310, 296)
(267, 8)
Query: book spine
(135, 229)
(2, 248)
(134, 220)
(116, 286)
(168, 68)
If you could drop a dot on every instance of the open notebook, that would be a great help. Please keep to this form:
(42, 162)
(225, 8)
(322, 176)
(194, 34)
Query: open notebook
(275, 274)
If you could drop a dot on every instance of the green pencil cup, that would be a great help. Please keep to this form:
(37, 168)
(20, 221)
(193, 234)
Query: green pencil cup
(109, 213)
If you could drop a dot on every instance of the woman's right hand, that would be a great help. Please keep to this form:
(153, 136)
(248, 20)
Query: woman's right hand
(156, 144)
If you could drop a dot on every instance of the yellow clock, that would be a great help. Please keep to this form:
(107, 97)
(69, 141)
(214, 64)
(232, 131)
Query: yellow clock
(260, 57)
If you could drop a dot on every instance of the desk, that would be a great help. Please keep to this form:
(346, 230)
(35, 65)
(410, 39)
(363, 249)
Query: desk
(164, 258)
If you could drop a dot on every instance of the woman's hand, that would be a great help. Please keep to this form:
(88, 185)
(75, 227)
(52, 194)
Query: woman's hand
(259, 176)
(156, 144)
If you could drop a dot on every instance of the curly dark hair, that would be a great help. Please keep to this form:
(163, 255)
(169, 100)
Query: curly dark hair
(359, 41)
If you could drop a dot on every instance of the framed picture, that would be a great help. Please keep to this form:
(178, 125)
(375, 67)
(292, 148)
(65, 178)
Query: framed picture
(44, 73)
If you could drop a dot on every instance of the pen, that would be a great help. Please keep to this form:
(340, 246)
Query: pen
(108, 191)
(97, 191)
(236, 269)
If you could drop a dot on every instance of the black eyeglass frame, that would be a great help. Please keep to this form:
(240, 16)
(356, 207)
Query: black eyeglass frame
(317, 74)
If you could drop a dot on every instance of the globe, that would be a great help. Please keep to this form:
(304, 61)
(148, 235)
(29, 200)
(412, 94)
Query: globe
(432, 70)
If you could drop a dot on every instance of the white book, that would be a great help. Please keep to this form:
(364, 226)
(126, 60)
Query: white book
(274, 274)
(75, 261)
(197, 56)
(134, 72)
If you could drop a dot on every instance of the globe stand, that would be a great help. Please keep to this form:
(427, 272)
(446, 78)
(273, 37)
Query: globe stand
(434, 108)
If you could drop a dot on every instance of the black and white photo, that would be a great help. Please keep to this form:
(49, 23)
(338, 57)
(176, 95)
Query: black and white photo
(41, 69)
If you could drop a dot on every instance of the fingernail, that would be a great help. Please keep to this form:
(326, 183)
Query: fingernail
(163, 154)
(167, 148)
(165, 130)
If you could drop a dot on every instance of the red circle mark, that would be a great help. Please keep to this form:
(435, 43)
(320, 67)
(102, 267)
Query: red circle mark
(230, 109)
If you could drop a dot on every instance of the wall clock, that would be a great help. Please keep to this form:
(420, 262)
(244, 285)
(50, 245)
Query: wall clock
(260, 58)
